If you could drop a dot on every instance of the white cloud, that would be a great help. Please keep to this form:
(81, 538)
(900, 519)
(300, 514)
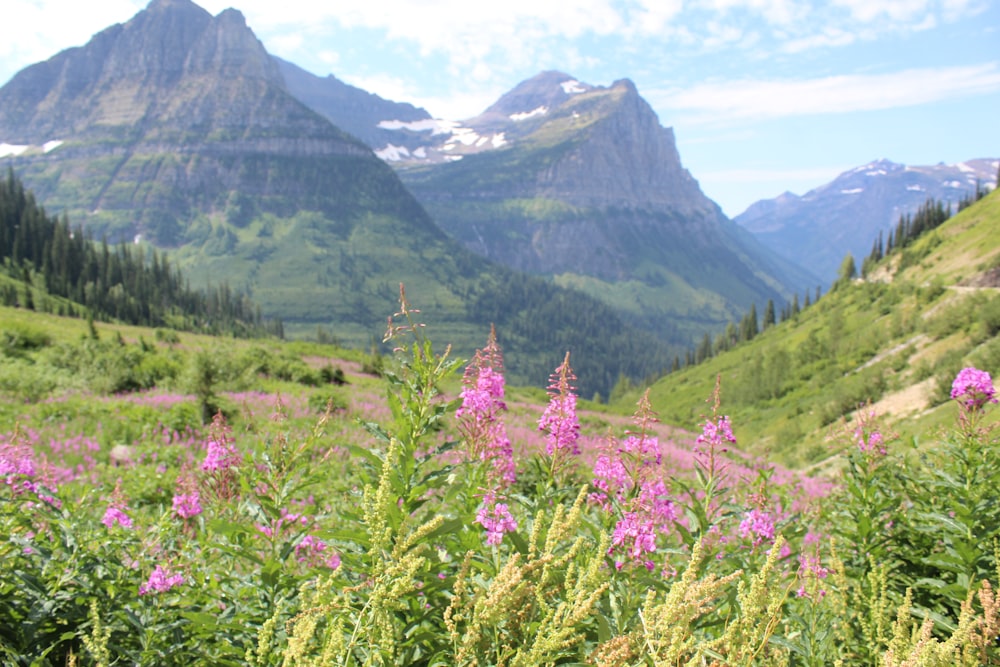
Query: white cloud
(830, 36)
(867, 11)
(748, 100)
(34, 31)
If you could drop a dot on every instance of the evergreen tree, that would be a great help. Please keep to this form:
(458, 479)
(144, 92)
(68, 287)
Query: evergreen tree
(122, 282)
(704, 350)
(848, 271)
(749, 326)
(769, 314)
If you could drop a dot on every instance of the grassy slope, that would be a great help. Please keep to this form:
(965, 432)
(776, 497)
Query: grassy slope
(894, 340)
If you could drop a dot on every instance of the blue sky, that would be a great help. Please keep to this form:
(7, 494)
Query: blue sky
(764, 95)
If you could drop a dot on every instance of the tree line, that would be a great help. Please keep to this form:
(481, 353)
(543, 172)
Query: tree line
(122, 282)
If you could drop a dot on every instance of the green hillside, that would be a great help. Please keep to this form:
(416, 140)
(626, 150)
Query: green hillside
(896, 339)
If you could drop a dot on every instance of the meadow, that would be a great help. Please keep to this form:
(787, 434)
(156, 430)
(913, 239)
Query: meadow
(180, 500)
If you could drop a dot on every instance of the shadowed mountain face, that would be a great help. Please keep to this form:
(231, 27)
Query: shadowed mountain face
(177, 128)
(582, 183)
(353, 110)
(846, 215)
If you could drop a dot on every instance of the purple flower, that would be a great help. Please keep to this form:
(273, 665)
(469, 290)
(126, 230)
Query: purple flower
(610, 477)
(312, 550)
(496, 519)
(871, 443)
(481, 413)
(115, 515)
(716, 433)
(634, 537)
(187, 505)
(220, 456)
(973, 388)
(559, 418)
(160, 581)
(655, 500)
(758, 526)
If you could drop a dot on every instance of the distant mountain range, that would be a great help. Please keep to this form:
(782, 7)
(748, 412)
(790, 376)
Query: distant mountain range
(582, 184)
(178, 129)
(846, 215)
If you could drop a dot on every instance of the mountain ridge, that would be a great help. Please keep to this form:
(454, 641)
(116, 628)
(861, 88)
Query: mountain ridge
(847, 214)
(207, 153)
(593, 193)
(891, 343)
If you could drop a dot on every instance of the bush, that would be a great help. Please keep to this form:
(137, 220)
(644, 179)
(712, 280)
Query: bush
(328, 397)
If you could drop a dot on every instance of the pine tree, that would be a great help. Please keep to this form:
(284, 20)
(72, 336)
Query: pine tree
(769, 314)
(704, 350)
(848, 271)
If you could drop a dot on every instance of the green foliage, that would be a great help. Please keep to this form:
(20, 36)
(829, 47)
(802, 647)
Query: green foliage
(121, 282)
(406, 574)
(819, 365)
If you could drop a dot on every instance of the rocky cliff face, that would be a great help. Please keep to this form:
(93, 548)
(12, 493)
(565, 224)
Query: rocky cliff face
(846, 215)
(173, 114)
(585, 185)
(177, 127)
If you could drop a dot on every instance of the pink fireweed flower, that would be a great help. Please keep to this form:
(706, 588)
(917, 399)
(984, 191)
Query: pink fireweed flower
(973, 388)
(634, 537)
(286, 521)
(757, 526)
(160, 581)
(559, 419)
(187, 505)
(655, 500)
(629, 465)
(496, 519)
(871, 443)
(17, 467)
(313, 551)
(611, 479)
(480, 417)
(220, 456)
(716, 433)
(115, 515)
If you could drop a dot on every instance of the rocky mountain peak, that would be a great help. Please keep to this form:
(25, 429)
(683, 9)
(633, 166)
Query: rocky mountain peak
(542, 92)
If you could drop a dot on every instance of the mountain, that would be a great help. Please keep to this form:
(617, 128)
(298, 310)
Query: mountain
(352, 109)
(582, 183)
(178, 129)
(896, 339)
(846, 215)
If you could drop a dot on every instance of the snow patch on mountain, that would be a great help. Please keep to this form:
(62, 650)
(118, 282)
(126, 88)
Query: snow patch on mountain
(6, 150)
(915, 188)
(852, 191)
(50, 146)
(572, 87)
(393, 153)
(539, 111)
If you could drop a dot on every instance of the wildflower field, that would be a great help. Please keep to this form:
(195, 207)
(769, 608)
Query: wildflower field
(429, 519)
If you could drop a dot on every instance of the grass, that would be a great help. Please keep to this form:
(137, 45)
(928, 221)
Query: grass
(833, 354)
